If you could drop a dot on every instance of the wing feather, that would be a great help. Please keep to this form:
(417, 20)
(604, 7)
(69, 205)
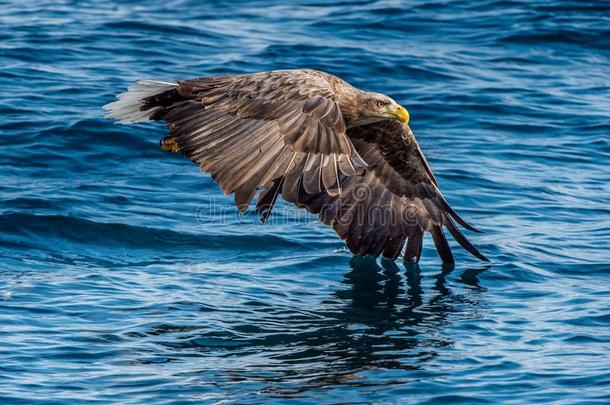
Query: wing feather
(392, 201)
(245, 129)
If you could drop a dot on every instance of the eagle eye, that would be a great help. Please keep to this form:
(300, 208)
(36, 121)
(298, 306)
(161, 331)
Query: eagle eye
(380, 103)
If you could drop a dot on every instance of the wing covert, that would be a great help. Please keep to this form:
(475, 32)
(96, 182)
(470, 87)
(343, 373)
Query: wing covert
(250, 129)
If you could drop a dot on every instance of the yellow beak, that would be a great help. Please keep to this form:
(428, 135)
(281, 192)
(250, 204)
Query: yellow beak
(401, 114)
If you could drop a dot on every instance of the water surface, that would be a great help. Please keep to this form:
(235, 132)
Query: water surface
(127, 277)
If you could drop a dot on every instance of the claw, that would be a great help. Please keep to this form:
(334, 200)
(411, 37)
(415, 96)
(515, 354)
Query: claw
(169, 145)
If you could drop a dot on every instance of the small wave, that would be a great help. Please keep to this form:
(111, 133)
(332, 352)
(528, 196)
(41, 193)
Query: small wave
(154, 28)
(560, 36)
(49, 230)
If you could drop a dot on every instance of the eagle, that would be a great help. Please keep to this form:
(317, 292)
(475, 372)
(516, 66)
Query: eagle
(344, 154)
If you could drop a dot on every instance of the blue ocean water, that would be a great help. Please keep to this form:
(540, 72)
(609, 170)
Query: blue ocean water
(127, 277)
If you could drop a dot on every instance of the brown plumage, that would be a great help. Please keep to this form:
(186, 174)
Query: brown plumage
(339, 152)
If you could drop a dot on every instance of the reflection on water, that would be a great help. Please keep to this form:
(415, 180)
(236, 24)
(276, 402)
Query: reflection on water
(387, 320)
(380, 318)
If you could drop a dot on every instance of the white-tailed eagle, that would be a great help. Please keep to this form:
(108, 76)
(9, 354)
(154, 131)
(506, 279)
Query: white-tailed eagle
(344, 154)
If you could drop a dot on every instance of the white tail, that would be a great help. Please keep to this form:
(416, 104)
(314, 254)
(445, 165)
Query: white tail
(126, 109)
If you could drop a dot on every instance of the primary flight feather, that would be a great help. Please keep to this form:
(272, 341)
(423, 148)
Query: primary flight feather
(337, 151)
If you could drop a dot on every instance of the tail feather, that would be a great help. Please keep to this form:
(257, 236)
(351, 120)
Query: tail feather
(127, 109)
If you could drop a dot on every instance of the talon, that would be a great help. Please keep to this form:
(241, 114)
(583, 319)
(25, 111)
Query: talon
(169, 145)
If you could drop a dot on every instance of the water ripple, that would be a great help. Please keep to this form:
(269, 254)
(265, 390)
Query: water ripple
(127, 276)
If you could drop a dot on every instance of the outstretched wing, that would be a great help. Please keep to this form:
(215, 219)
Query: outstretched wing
(394, 201)
(250, 129)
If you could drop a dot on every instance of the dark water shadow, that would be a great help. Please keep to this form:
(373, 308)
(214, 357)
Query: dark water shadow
(384, 316)
(380, 318)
